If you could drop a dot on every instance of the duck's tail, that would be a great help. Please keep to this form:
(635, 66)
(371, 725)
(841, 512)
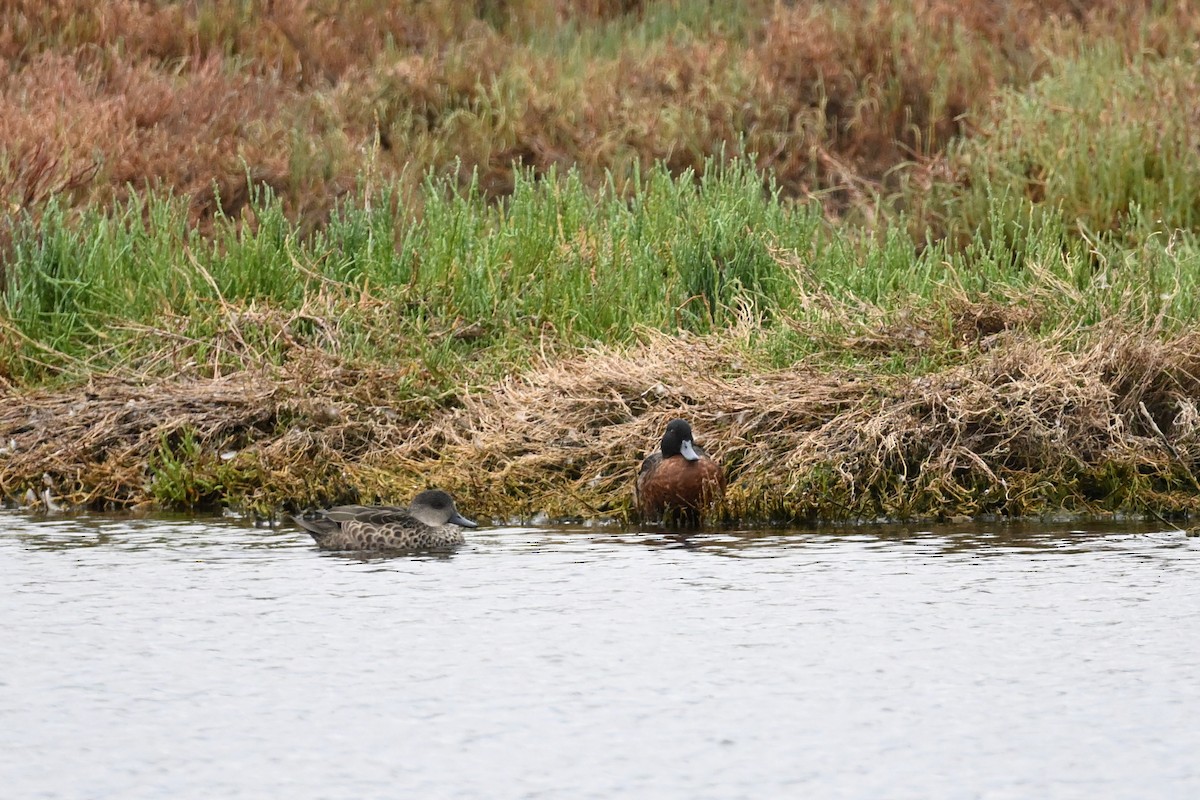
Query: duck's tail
(316, 523)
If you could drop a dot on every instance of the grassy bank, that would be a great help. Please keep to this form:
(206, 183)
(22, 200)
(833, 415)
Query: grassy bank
(950, 270)
(525, 355)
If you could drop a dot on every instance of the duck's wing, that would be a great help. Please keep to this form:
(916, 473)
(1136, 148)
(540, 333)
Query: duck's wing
(372, 515)
(650, 462)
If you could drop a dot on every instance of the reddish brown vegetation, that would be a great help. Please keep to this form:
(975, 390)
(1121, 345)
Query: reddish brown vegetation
(213, 99)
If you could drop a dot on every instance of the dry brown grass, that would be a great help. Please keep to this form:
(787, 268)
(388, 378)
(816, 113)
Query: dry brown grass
(259, 441)
(1025, 427)
(1020, 426)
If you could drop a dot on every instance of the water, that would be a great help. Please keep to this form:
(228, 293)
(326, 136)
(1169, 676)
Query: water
(205, 658)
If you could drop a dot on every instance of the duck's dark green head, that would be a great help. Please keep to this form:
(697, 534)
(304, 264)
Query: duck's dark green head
(436, 508)
(677, 441)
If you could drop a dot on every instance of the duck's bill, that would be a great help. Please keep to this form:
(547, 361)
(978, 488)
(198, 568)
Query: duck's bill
(687, 451)
(459, 519)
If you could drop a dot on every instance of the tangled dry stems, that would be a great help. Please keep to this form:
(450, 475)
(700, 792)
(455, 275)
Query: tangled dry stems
(1020, 426)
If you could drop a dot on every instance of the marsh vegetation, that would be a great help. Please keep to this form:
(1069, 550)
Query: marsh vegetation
(891, 259)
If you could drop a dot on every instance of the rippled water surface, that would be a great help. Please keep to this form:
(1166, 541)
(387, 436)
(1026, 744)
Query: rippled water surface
(206, 658)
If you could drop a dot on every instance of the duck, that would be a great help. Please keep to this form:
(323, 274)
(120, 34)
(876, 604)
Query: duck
(680, 480)
(431, 522)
